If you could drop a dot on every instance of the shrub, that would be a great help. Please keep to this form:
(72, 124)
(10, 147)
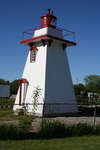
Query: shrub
(97, 130)
(10, 132)
(49, 129)
(25, 123)
(52, 129)
(82, 129)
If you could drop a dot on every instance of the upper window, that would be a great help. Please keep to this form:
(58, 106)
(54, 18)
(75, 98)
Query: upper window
(33, 52)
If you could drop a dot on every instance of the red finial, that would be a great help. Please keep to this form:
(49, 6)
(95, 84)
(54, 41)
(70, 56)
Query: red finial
(48, 10)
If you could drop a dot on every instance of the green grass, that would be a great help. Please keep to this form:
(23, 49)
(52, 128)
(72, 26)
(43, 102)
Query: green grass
(7, 115)
(6, 101)
(74, 143)
(6, 112)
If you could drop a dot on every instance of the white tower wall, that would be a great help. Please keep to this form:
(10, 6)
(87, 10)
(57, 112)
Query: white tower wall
(59, 90)
(35, 74)
(50, 72)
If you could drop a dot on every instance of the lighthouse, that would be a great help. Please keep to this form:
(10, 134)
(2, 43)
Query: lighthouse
(47, 70)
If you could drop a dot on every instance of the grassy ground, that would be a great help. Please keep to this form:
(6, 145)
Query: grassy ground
(7, 115)
(6, 112)
(74, 143)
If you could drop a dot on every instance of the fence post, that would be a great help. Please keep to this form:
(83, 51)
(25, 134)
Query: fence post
(94, 118)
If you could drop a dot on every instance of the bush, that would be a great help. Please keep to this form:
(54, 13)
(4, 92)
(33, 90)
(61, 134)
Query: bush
(97, 130)
(52, 129)
(49, 129)
(10, 132)
(82, 129)
(13, 132)
(21, 131)
(56, 129)
(25, 123)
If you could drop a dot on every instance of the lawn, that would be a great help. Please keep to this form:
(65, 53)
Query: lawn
(7, 115)
(73, 143)
(6, 111)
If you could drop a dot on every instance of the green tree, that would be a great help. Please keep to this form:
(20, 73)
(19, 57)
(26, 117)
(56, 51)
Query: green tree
(3, 81)
(14, 87)
(92, 83)
(78, 88)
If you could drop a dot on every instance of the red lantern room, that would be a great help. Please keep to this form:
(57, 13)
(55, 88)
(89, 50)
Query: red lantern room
(48, 20)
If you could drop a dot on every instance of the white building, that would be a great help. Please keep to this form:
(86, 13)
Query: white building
(47, 68)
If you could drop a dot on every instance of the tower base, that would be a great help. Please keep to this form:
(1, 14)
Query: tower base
(59, 109)
(51, 109)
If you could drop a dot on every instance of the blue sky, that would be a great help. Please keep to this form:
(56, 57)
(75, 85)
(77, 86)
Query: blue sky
(81, 16)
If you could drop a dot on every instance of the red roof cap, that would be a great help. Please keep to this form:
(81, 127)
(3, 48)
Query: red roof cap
(48, 19)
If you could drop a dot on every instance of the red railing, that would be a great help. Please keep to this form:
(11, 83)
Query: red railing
(67, 34)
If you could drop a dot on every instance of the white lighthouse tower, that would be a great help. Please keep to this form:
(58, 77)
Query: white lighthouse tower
(47, 69)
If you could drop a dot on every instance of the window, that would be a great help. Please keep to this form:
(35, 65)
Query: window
(33, 52)
(33, 55)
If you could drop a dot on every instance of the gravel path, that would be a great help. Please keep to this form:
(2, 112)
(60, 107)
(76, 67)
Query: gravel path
(75, 120)
(9, 122)
(66, 120)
